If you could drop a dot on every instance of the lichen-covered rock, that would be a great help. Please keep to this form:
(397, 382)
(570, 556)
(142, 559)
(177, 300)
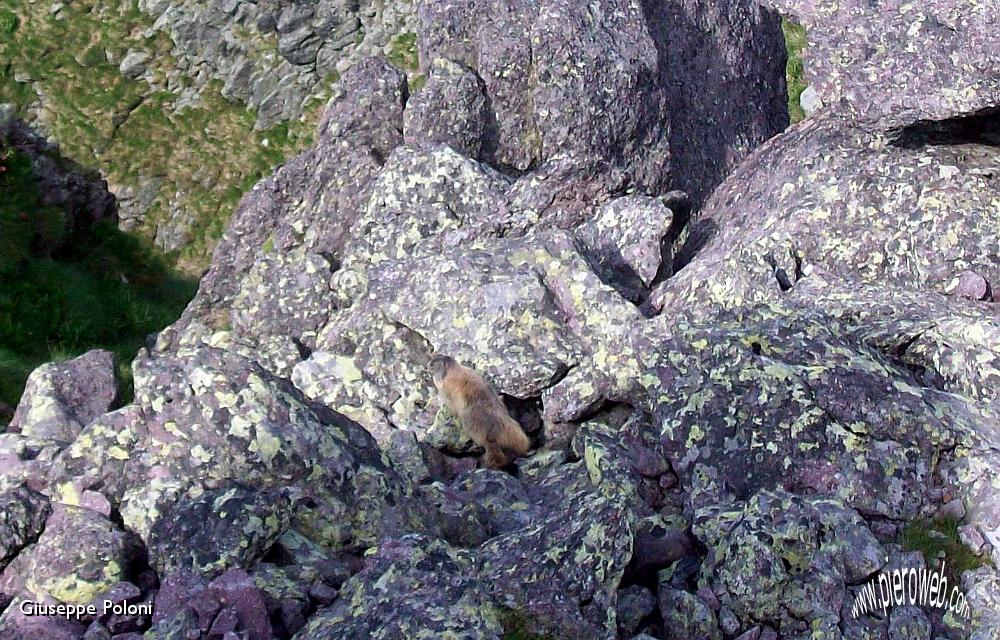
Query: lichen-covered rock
(79, 556)
(563, 572)
(634, 604)
(522, 314)
(220, 530)
(60, 399)
(450, 109)
(909, 622)
(540, 62)
(413, 587)
(22, 518)
(685, 615)
(309, 204)
(811, 408)
(982, 590)
(784, 560)
(861, 208)
(188, 606)
(284, 295)
(212, 418)
(15, 625)
(630, 242)
(896, 63)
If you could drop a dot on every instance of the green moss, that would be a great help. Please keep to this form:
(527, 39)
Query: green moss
(795, 43)
(417, 82)
(93, 56)
(403, 51)
(938, 538)
(517, 626)
(9, 22)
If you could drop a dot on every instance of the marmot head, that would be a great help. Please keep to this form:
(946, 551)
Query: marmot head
(439, 366)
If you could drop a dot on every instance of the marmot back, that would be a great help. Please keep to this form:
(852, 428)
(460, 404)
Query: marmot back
(480, 412)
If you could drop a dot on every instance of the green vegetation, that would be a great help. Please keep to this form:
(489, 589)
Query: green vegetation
(63, 292)
(8, 22)
(403, 52)
(795, 43)
(139, 136)
(938, 538)
(517, 626)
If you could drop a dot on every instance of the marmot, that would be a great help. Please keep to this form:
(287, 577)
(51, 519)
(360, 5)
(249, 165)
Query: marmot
(479, 410)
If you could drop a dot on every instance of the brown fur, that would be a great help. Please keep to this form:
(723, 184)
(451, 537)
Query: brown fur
(480, 412)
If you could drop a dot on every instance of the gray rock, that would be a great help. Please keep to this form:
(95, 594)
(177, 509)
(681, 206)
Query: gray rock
(133, 64)
(450, 109)
(61, 399)
(634, 604)
(897, 64)
(784, 559)
(220, 530)
(686, 616)
(79, 556)
(630, 242)
(909, 622)
(22, 517)
(971, 285)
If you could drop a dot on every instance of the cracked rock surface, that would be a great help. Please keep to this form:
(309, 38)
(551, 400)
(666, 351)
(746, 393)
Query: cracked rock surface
(741, 390)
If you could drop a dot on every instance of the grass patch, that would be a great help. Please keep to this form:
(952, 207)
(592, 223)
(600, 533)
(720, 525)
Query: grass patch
(202, 157)
(403, 51)
(65, 291)
(795, 43)
(937, 538)
(9, 22)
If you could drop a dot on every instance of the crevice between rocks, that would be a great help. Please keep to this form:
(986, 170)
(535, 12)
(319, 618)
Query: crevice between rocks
(981, 128)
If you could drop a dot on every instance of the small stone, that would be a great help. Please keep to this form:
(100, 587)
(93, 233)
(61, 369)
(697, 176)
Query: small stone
(751, 634)
(634, 604)
(668, 480)
(884, 530)
(686, 616)
(972, 537)
(908, 623)
(970, 285)
(768, 633)
(953, 509)
(121, 592)
(728, 621)
(708, 596)
(96, 502)
(323, 593)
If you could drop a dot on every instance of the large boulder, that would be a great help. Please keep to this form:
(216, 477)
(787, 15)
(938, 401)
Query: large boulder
(827, 196)
(22, 517)
(220, 530)
(413, 587)
(79, 556)
(785, 560)
(892, 64)
(540, 62)
(60, 399)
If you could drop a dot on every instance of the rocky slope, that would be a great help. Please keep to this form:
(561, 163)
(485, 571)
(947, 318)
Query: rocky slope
(738, 413)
